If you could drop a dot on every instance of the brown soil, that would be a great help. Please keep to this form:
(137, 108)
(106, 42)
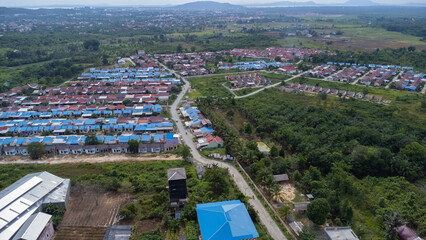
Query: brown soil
(84, 219)
(83, 158)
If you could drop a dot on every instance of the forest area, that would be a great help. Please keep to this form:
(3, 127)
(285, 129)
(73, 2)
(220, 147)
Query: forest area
(367, 163)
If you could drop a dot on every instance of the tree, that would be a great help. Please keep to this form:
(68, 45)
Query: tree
(248, 129)
(276, 192)
(318, 210)
(277, 59)
(179, 48)
(217, 182)
(36, 150)
(126, 187)
(91, 44)
(297, 176)
(307, 234)
(346, 212)
(133, 146)
(91, 140)
(186, 152)
(127, 102)
(274, 151)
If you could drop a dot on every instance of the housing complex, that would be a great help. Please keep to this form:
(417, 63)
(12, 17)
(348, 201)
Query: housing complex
(201, 128)
(248, 80)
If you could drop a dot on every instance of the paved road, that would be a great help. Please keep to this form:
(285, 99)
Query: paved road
(264, 216)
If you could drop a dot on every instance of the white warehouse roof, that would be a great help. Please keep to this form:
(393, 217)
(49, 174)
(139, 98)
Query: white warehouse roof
(27, 196)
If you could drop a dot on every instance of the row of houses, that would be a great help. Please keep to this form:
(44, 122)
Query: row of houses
(248, 80)
(322, 71)
(201, 128)
(286, 54)
(187, 63)
(124, 73)
(64, 145)
(410, 81)
(27, 113)
(378, 77)
(371, 66)
(296, 88)
(250, 65)
(348, 74)
(62, 127)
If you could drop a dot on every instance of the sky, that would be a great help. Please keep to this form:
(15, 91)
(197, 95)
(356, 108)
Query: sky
(26, 3)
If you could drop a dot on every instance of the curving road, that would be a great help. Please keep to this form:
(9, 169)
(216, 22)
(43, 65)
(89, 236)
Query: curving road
(269, 86)
(263, 214)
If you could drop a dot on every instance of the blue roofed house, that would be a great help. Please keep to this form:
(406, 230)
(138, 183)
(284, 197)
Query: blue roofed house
(227, 220)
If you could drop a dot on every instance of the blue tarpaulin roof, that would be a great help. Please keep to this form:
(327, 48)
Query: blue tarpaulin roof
(225, 220)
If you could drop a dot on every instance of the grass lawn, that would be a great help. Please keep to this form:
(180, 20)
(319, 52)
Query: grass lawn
(207, 152)
(209, 86)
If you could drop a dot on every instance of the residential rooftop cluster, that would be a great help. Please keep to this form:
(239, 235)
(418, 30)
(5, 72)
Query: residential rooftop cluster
(296, 88)
(248, 80)
(77, 111)
(286, 54)
(410, 81)
(322, 71)
(74, 144)
(250, 65)
(187, 63)
(201, 128)
(348, 74)
(124, 73)
(96, 92)
(404, 78)
(378, 77)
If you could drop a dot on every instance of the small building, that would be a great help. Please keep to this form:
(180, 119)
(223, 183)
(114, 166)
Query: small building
(38, 226)
(406, 233)
(118, 232)
(281, 178)
(301, 206)
(263, 148)
(178, 192)
(225, 220)
(340, 233)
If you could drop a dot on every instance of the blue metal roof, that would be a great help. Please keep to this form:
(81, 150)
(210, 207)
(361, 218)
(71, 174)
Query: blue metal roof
(225, 220)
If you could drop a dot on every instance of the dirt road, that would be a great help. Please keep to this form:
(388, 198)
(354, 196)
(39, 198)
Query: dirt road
(106, 158)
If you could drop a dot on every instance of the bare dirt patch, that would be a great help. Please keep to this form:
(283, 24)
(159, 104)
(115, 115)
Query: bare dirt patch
(83, 211)
(86, 218)
(98, 158)
(287, 192)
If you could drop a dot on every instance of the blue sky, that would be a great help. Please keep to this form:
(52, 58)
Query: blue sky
(10, 3)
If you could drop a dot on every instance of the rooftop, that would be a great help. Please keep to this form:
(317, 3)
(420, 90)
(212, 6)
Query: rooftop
(225, 220)
(26, 196)
(174, 174)
(340, 233)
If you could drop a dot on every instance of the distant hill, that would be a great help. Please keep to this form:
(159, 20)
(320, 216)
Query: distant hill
(208, 5)
(416, 4)
(360, 3)
(290, 4)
